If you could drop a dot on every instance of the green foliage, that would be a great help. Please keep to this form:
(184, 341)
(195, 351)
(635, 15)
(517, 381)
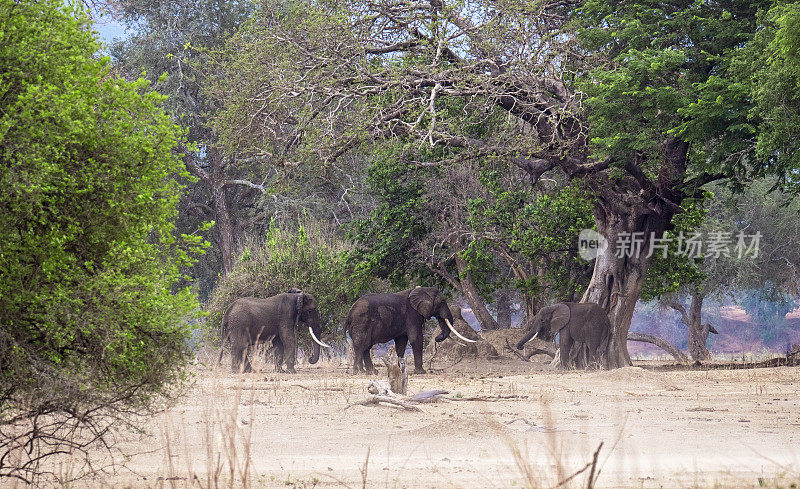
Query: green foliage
(168, 43)
(384, 241)
(90, 318)
(310, 258)
(666, 72)
(764, 284)
(425, 215)
(677, 271)
(774, 61)
(542, 229)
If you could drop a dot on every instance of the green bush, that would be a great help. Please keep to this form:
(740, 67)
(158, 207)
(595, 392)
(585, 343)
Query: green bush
(310, 258)
(91, 328)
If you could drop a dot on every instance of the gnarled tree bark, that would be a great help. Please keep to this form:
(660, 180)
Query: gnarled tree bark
(504, 308)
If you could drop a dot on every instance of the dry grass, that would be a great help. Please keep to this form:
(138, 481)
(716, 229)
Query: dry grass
(532, 430)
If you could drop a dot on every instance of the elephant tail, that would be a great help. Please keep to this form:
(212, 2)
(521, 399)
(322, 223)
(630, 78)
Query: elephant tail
(223, 337)
(347, 324)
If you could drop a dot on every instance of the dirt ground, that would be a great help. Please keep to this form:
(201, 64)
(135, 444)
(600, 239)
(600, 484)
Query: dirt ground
(503, 423)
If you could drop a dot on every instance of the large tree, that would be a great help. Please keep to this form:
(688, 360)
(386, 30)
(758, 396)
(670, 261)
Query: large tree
(476, 229)
(169, 43)
(92, 325)
(635, 100)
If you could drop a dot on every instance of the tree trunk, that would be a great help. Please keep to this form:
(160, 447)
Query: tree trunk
(698, 331)
(214, 177)
(472, 297)
(617, 281)
(224, 226)
(504, 309)
(637, 209)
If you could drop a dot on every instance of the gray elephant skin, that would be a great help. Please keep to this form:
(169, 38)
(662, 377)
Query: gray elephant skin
(378, 318)
(250, 321)
(576, 324)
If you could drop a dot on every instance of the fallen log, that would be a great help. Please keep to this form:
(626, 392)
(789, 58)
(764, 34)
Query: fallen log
(375, 399)
(381, 393)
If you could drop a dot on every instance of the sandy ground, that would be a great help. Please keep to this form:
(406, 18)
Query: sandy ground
(504, 423)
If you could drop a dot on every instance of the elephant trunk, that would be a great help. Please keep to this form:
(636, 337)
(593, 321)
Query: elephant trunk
(529, 336)
(445, 318)
(315, 354)
(315, 332)
(445, 331)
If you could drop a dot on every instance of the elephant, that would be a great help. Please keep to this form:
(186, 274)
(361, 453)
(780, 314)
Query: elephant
(250, 321)
(378, 318)
(577, 324)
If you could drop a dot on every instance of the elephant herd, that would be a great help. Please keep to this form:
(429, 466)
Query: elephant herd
(378, 318)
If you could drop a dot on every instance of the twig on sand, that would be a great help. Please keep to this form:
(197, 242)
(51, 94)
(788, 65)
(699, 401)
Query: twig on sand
(515, 352)
(335, 389)
(375, 399)
(427, 396)
(486, 398)
(380, 393)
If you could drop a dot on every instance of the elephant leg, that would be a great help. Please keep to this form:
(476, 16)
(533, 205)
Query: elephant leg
(594, 355)
(288, 337)
(236, 357)
(586, 356)
(400, 346)
(578, 357)
(416, 349)
(565, 345)
(368, 367)
(277, 345)
(591, 361)
(240, 363)
(358, 358)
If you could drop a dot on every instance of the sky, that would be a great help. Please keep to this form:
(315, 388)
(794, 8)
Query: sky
(107, 27)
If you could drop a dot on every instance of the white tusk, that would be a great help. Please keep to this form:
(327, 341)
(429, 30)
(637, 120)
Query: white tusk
(534, 336)
(315, 338)
(456, 332)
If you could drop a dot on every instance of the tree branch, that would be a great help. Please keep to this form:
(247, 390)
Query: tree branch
(196, 170)
(679, 307)
(247, 183)
(661, 343)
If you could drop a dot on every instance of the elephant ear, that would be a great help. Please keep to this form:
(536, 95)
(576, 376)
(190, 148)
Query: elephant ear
(421, 301)
(560, 317)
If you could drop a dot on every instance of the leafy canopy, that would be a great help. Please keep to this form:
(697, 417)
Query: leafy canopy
(665, 69)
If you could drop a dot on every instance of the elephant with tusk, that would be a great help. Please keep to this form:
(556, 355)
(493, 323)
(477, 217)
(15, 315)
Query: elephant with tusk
(576, 324)
(378, 318)
(250, 321)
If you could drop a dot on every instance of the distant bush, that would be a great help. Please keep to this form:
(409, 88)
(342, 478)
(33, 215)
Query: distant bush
(310, 258)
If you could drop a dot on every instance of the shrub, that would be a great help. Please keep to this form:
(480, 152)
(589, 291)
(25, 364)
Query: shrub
(311, 258)
(91, 330)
